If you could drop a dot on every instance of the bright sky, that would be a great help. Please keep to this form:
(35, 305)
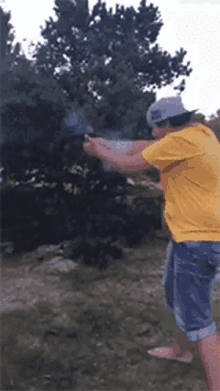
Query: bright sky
(191, 24)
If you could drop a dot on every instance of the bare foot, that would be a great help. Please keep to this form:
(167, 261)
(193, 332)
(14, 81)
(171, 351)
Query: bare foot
(172, 353)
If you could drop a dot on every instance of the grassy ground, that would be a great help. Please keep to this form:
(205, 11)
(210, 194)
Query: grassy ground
(94, 333)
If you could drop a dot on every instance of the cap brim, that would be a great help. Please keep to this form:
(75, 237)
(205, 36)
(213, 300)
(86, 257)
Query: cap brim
(185, 115)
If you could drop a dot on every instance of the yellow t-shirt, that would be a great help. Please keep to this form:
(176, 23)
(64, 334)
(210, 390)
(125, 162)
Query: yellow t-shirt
(192, 188)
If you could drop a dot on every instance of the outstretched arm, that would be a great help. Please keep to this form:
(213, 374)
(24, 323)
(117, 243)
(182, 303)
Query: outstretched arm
(125, 162)
(117, 159)
(122, 161)
(138, 146)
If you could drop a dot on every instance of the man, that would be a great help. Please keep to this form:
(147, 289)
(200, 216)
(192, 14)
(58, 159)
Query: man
(188, 157)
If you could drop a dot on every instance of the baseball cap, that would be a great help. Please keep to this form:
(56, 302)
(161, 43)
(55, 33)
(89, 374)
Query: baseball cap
(167, 108)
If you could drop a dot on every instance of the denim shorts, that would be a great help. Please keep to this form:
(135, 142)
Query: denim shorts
(189, 283)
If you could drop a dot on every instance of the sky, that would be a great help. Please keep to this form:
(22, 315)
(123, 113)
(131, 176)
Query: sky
(193, 25)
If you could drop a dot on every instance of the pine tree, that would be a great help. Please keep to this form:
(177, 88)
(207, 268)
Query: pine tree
(109, 63)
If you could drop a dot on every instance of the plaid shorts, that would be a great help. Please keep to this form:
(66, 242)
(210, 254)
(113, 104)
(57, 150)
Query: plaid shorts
(189, 282)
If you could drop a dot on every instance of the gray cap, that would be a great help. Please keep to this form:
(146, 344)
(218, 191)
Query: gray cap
(165, 109)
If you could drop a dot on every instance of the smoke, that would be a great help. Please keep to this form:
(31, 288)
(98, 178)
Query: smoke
(118, 145)
(76, 123)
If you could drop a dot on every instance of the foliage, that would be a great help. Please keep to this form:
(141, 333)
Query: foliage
(214, 124)
(106, 60)
(126, 39)
(101, 62)
(35, 214)
(8, 54)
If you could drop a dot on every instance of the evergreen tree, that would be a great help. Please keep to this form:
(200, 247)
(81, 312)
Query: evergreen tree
(109, 62)
(20, 82)
(8, 54)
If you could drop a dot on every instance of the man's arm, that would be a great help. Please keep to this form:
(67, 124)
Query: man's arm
(121, 161)
(139, 146)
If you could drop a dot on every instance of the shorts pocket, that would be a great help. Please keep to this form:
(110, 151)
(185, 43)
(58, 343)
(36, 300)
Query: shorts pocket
(209, 251)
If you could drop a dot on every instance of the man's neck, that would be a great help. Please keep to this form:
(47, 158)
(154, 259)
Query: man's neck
(192, 125)
(172, 130)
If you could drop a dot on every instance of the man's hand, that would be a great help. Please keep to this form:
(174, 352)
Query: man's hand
(91, 145)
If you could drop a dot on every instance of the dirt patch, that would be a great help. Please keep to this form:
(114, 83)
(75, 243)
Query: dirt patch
(89, 329)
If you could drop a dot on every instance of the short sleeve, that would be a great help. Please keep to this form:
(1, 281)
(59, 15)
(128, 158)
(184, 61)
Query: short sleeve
(169, 150)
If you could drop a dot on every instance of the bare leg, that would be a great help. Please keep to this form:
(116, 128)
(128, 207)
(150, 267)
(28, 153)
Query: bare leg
(209, 349)
(183, 343)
